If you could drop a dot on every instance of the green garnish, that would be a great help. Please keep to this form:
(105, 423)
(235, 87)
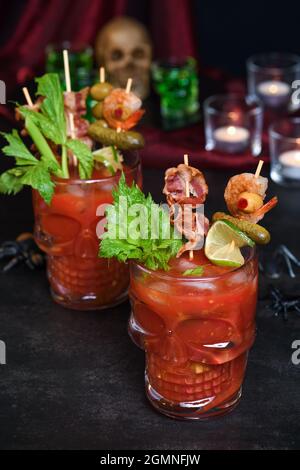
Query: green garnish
(223, 243)
(48, 124)
(115, 153)
(110, 158)
(153, 252)
(28, 170)
(194, 272)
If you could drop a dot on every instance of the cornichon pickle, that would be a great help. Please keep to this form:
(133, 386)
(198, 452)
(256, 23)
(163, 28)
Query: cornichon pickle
(123, 140)
(97, 110)
(256, 232)
(99, 91)
(102, 123)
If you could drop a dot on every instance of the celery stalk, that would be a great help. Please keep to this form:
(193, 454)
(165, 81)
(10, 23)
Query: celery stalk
(64, 161)
(42, 145)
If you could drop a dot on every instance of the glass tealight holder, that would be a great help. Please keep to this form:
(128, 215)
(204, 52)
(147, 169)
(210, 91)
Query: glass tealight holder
(233, 125)
(270, 79)
(284, 137)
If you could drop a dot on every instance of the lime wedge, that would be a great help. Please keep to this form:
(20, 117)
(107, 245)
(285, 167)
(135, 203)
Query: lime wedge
(110, 157)
(223, 243)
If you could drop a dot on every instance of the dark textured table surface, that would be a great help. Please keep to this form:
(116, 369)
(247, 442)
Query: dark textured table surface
(75, 380)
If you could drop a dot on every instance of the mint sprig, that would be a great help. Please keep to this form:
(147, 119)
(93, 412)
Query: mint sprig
(154, 253)
(198, 271)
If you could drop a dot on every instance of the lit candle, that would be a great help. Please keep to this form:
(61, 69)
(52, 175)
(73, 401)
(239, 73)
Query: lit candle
(274, 93)
(290, 164)
(231, 139)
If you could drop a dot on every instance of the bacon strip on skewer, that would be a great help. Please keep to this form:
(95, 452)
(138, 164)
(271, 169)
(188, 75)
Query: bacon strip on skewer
(75, 101)
(192, 224)
(75, 104)
(175, 184)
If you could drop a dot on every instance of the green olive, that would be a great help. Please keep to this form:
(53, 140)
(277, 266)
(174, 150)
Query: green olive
(99, 91)
(256, 232)
(97, 110)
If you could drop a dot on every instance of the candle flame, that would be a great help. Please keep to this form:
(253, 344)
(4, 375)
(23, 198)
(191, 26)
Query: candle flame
(273, 89)
(231, 130)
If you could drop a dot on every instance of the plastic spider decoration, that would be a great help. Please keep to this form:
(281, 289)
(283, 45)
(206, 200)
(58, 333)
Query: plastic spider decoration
(281, 261)
(22, 250)
(281, 304)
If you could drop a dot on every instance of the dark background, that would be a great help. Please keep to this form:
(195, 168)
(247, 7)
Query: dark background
(226, 32)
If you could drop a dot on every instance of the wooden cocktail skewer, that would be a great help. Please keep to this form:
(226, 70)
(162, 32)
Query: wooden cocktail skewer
(258, 169)
(118, 132)
(68, 89)
(102, 74)
(67, 70)
(187, 186)
(27, 97)
(187, 193)
(129, 85)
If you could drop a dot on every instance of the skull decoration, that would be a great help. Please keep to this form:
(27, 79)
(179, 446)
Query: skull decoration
(123, 47)
(192, 361)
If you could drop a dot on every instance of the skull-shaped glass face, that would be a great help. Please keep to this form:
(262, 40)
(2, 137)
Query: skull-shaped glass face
(125, 50)
(209, 320)
(196, 333)
(68, 226)
(203, 339)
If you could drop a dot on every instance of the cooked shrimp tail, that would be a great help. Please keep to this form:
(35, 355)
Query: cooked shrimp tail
(260, 213)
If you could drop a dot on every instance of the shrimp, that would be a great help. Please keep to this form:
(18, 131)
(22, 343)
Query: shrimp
(244, 196)
(122, 109)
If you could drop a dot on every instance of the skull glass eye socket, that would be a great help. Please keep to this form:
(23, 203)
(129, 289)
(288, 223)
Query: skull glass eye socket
(116, 54)
(138, 53)
(207, 332)
(52, 224)
(148, 321)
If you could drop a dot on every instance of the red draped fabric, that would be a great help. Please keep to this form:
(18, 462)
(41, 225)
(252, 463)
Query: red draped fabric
(43, 22)
(172, 29)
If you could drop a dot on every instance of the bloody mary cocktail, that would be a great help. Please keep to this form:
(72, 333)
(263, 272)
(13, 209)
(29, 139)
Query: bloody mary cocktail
(66, 231)
(196, 332)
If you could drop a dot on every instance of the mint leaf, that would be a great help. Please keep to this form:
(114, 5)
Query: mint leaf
(154, 252)
(18, 149)
(84, 156)
(194, 272)
(39, 178)
(53, 105)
